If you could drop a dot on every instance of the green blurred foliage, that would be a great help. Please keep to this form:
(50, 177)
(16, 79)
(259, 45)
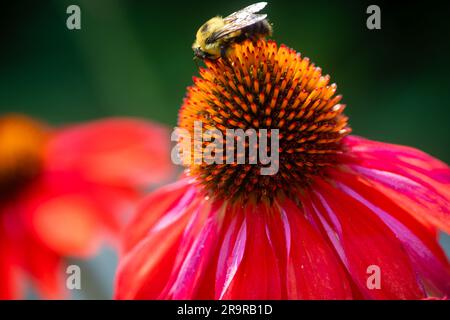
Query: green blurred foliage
(133, 58)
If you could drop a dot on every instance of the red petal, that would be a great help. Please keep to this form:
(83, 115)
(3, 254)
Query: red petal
(169, 198)
(147, 268)
(423, 248)
(363, 240)
(68, 224)
(314, 271)
(30, 256)
(9, 278)
(274, 253)
(45, 267)
(116, 151)
(70, 215)
(190, 248)
(416, 181)
(231, 253)
(195, 254)
(252, 271)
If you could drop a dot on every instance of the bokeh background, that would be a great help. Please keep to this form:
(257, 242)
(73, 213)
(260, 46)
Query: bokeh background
(133, 58)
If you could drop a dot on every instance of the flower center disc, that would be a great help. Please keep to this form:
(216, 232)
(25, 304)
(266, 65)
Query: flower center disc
(262, 86)
(22, 143)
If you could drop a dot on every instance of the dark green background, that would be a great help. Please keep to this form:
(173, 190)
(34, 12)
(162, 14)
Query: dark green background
(133, 58)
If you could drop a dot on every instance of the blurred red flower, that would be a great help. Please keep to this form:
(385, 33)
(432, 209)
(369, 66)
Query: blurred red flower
(338, 208)
(63, 191)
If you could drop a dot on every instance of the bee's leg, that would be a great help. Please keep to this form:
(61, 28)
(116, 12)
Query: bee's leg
(223, 51)
(223, 55)
(196, 59)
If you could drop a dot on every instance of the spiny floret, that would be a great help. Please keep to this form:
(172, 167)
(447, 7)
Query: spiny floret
(263, 86)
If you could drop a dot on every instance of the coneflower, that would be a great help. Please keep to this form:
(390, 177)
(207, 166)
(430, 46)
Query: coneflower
(338, 212)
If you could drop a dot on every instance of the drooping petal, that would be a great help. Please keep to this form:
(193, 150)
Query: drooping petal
(168, 200)
(115, 151)
(422, 246)
(314, 271)
(195, 256)
(416, 181)
(147, 267)
(209, 249)
(251, 248)
(230, 254)
(365, 244)
(280, 248)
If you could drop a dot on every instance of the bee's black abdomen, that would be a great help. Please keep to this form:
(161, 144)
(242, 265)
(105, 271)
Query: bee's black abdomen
(255, 31)
(263, 28)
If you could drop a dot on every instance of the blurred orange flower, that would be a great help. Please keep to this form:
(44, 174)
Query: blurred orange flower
(64, 191)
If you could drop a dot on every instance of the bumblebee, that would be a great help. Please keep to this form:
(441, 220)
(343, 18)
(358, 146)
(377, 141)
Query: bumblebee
(215, 37)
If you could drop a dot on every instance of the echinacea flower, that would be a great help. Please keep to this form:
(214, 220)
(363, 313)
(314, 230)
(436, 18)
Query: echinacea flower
(63, 191)
(339, 212)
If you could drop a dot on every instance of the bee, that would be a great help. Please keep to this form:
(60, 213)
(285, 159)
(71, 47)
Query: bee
(215, 37)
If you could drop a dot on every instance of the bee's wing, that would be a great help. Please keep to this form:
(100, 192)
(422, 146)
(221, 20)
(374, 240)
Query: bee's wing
(239, 20)
(253, 8)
